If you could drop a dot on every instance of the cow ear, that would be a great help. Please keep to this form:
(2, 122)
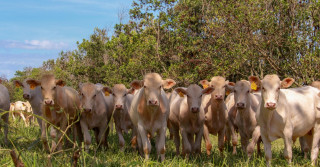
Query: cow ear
(33, 83)
(230, 87)
(107, 91)
(60, 82)
(316, 84)
(168, 83)
(182, 92)
(17, 84)
(255, 83)
(287, 82)
(131, 91)
(204, 83)
(208, 90)
(136, 84)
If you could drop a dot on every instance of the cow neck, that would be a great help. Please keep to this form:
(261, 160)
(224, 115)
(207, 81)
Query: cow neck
(265, 118)
(148, 113)
(217, 108)
(248, 114)
(60, 97)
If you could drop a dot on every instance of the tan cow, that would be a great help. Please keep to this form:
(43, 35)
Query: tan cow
(246, 103)
(216, 114)
(187, 116)
(121, 103)
(149, 112)
(287, 114)
(4, 106)
(60, 107)
(95, 115)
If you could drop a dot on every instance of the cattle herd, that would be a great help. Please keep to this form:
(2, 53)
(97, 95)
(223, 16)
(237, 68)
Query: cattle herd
(260, 110)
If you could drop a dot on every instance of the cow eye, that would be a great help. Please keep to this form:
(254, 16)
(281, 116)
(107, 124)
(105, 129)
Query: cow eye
(278, 88)
(144, 86)
(234, 91)
(263, 89)
(94, 96)
(113, 94)
(247, 91)
(54, 88)
(41, 88)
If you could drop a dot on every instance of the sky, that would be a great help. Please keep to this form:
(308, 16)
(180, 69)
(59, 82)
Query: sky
(33, 31)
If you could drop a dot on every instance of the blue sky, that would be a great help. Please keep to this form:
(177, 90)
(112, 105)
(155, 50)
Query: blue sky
(32, 31)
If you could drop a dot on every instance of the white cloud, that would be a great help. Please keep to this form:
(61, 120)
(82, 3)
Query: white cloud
(34, 44)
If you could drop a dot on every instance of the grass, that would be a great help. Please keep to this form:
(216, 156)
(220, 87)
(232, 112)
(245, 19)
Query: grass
(26, 142)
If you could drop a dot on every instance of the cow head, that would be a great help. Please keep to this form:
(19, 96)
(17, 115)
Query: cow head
(152, 86)
(49, 86)
(27, 91)
(219, 84)
(194, 96)
(270, 88)
(241, 92)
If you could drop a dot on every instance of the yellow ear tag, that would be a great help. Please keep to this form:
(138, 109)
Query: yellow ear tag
(254, 86)
(32, 86)
(205, 86)
(228, 92)
(106, 93)
(181, 94)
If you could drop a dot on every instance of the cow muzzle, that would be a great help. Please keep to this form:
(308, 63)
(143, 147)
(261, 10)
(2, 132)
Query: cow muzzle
(48, 102)
(195, 109)
(241, 105)
(153, 102)
(118, 106)
(26, 96)
(218, 97)
(87, 110)
(270, 105)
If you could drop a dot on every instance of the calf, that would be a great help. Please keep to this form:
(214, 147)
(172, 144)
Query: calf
(187, 116)
(216, 114)
(33, 96)
(287, 113)
(60, 107)
(4, 107)
(121, 104)
(22, 110)
(149, 112)
(246, 103)
(95, 115)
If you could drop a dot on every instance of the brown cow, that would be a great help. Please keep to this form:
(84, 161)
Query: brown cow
(187, 115)
(216, 114)
(60, 107)
(95, 115)
(149, 112)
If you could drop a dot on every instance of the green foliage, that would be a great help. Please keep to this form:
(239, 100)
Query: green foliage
(191, 40)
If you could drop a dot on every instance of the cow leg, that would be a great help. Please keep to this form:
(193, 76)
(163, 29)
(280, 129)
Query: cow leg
(120, 137)
(139, 144)
(176, 138)
(44, 126)
(288, 144)
(5, 119)
(53, 135)
(160, 143)
(102, 136)
(23, 118)
(254, 141)
(315, 143)
(207, 139)
(191, 141)
(234, 138)
(197, 143)
(221, 134)
(145, 141)
(185, 142)
(86, 135)
(267, 149)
